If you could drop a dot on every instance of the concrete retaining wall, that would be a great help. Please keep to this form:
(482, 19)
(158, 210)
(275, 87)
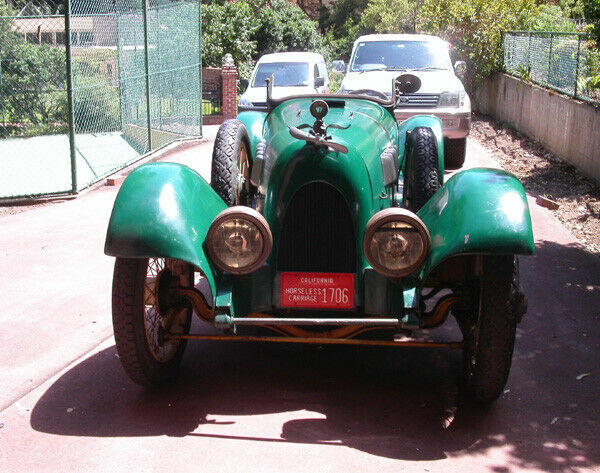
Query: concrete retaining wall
(568, 128)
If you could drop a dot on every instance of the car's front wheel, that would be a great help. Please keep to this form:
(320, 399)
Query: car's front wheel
(455, 151)
(489, 327)
(145, 308)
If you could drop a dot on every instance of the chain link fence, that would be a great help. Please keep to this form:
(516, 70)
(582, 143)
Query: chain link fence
(565, 62)
(88, 86)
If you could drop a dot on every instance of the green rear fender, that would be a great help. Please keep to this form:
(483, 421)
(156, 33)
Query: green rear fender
(428, 121)
(164, 210)
(253, 121)
(478, 211)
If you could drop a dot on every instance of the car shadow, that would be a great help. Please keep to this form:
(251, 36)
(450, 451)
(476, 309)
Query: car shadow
(401, 404)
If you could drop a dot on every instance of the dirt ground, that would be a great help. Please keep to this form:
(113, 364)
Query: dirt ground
(543, 174)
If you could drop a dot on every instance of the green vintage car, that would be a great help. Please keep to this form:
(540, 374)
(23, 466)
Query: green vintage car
(325, 222)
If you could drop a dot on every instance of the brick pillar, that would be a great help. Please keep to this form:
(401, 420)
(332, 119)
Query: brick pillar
(229, 90)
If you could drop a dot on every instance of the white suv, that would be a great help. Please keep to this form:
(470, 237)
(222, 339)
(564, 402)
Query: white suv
(294, 73)
(378, 59)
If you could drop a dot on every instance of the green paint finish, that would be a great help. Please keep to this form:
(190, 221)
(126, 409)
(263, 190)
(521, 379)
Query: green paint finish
(422, 121)
(164, 210)
(254, 122)
(478, 211)
(358, 175)
(410, 297)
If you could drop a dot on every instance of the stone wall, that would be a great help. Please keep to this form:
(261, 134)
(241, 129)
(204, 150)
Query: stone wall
(568, 128)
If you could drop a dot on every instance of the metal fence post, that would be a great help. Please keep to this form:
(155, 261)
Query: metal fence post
(119, 72)
(550, 57)
(147, 68)
(529, 54)
(200, 61)
(2, 100)
(70, 105)
(577, 65)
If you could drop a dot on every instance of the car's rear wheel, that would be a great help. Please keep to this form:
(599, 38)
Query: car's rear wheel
(489, 326)
(145, 308)
(423, 175)
(455, 151)
(230, 174)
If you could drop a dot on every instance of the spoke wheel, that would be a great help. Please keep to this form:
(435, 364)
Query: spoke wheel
(489, 329)
(144, 311)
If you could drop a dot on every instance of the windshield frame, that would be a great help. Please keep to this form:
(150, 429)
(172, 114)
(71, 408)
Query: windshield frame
(433, 45)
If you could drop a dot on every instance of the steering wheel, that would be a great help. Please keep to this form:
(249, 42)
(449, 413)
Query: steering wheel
(373, 93)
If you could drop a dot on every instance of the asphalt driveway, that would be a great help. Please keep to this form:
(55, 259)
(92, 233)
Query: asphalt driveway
(65, 402)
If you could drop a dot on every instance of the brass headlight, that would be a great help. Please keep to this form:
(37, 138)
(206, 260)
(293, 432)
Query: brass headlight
(396, 242)
(239, 240)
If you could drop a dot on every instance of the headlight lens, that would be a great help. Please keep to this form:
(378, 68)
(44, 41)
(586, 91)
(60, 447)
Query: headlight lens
(396, 242)
(452, 99)
(245, 103)
(239, 240)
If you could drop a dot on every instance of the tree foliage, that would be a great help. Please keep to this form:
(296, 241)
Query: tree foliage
(475, 27)
(591, 10)
(392, 16)
(550, 17)
(249, 29)
(33, 79)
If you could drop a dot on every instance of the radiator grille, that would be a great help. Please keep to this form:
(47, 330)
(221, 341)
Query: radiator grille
(317, 234)
(418, 100)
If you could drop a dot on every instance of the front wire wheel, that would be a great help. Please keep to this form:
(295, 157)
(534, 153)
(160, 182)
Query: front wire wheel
(145, 309)
(489, 329)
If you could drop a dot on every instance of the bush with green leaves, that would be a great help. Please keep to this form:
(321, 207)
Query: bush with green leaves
(392, 16)
(591, 10)
(249, 29)
(475, 28)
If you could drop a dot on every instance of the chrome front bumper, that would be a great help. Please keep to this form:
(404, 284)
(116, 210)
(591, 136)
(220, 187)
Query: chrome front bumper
(455, 124)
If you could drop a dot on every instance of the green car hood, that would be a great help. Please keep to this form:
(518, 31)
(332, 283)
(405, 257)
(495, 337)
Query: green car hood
(291, 163)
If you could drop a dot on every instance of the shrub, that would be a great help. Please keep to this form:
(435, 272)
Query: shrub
(475, 27)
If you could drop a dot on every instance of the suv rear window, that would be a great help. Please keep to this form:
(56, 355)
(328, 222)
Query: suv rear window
(286, 74)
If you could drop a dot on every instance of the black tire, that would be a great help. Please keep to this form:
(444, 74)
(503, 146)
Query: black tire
(455, 151)
(230, 172)
(489, 329)
(423, 164)
(135, 304)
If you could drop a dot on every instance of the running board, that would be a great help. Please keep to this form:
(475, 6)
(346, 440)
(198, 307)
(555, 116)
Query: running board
(400, 343)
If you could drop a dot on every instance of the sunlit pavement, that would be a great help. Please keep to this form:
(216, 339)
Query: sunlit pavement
(256, 408)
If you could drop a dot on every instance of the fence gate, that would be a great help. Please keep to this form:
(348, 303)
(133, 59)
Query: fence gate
(88, 86)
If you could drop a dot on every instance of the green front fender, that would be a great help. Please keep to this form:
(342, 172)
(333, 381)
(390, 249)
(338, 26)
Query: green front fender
(478, 211)
(164, 210)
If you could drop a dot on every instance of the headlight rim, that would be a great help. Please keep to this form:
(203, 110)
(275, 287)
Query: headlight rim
(248, 213)
(395, 214)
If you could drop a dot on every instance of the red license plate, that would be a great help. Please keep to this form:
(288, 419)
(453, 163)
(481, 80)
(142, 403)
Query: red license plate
(317, 290)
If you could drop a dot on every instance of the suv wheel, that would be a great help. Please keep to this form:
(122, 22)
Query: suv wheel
(455, 151)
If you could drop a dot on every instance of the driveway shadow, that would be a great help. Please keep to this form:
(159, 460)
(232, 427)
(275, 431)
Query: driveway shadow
(400, 404)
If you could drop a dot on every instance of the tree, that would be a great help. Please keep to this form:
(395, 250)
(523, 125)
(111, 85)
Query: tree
(550, 17)
(591, 10)
(392, 16)
(475, 28)
(249, 29)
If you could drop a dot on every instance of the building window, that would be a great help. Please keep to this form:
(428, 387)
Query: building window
(32, 38)
(47, 38)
